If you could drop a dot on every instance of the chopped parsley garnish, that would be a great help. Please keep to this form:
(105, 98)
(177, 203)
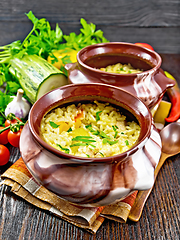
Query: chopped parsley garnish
(53, 124)
(115, 130)
(94, 132)
(83, 141)
(106, 138)
(104, 135)
(78, 144)
(109, 141)
(64, 149)
(69, 130)
(101, 154)
(86, 139)
(127, 143)
(97, 115)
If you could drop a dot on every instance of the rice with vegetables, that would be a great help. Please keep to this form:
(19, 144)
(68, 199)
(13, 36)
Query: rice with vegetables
(120, 68)
(89, 130)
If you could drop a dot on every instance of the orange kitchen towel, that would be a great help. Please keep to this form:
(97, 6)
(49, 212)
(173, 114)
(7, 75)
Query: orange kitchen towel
(90, 218)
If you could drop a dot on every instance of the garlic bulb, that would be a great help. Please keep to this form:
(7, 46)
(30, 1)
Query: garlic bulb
(19, 105)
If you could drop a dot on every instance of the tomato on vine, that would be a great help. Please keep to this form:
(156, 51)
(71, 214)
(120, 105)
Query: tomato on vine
(14, 137)
(4, 155)
(14, 127)
(3, 136)
(9, 122)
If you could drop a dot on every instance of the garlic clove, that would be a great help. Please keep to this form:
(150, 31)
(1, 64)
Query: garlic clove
(19, 105)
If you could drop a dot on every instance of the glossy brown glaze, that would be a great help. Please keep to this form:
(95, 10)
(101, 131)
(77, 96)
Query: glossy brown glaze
(149, 86)
(91, 181)
(76, 93)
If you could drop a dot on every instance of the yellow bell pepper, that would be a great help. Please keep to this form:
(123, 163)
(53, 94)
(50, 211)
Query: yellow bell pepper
(63, 56)
(162, 112)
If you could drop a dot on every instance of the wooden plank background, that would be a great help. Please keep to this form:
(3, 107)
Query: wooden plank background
(156, 22)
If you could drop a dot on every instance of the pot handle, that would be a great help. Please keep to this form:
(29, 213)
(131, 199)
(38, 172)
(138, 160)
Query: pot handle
(75, 75)
(163, 81)
(70, 66)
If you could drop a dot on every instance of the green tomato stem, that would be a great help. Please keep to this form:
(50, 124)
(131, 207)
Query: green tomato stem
(3, 130)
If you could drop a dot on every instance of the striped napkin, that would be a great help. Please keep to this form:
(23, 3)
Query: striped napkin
(90, 218)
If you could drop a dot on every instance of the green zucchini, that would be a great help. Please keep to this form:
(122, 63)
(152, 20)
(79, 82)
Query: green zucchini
(36, 76)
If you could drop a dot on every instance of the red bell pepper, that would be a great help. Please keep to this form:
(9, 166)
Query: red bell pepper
(146, 45)
(174, 96)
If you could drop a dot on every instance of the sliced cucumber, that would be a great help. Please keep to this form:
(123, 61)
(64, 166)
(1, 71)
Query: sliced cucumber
(36, 76)
(50, 83)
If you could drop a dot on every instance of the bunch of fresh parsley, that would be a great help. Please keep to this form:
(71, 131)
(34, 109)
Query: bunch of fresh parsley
(41, 41)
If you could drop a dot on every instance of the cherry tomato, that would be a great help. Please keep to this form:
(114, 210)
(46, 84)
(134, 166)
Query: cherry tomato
(146, 45)
(4, 155)
(13, 121)
(3, 136)
(13, 138)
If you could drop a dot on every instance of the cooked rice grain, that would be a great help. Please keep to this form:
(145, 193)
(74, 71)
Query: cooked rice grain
(108, 136)
(121, 69)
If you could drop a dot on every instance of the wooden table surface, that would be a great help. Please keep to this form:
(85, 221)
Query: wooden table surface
(159, 220)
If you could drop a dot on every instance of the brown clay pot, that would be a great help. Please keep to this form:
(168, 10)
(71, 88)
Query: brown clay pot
(149, 86)
(91, 181)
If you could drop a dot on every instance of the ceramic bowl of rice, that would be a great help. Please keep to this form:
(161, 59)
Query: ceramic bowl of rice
(131, 67)
(91, 144)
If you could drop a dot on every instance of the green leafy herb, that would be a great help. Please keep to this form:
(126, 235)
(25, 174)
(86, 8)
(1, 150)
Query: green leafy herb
(92, 145)
(64, 149)
(78, 144)
(104, 135)
(115, 130)
(83, 141)
(69, 130)
(101, 154)
(112, 142)
(104, 141)
(127, 143)
(88, 36)
(94, 132)
(97, 115)
(53, 124)
(42, 40)
(86, 139)
(114, 127)
(109, 141)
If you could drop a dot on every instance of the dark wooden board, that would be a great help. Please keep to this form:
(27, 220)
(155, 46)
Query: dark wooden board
(154, 22)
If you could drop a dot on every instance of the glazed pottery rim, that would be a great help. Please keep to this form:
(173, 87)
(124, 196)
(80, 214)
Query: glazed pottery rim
(61, 154)
(153, 68)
